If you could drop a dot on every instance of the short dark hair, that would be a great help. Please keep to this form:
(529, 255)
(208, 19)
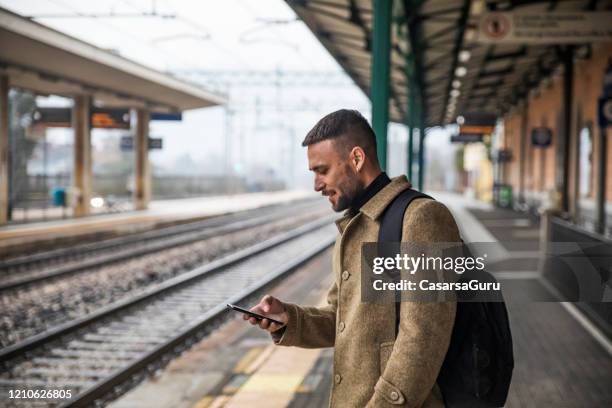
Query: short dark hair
(346, 127)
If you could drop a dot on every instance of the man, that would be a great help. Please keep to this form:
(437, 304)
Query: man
(372, 367)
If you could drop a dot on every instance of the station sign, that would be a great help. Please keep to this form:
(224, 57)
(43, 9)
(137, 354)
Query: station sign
(166, 116)
(553, 27)
(106, 118)
(604, 112)
(101, 118)
(127, 143)
(607, 82)
(604, 105)
(52, 117)
(541, 137)
(467, 138)
(503, 156)
(479, 119)
(156, 143)
(484, 130)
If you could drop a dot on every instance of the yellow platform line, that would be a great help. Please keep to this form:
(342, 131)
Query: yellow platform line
(212, 402)
(274, 384)
(259, 360)
(277, 375)
(247, 359)
(204, 402)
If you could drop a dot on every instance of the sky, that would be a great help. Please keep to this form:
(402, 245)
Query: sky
(186, 36)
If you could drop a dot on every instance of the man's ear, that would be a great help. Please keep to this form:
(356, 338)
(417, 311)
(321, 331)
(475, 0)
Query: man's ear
(357, 157)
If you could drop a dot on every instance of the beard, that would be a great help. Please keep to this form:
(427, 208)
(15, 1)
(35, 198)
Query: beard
(343, 203)
(348, 191)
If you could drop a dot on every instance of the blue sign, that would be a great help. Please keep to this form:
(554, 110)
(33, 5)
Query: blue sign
(156, 143)
(604, 112)
(127, 143)
(166, 116)
(607, 82)
(541, 137)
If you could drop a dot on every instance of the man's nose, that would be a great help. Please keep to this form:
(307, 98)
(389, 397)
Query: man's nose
(318, 184)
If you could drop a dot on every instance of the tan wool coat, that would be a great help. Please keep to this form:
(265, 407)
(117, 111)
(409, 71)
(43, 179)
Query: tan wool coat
(371, 367)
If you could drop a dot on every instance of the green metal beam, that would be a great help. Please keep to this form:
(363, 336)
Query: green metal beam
(421, 153)
(416, 113)
(412, 12)
(411, 127)
(379, 91)
(411, 114)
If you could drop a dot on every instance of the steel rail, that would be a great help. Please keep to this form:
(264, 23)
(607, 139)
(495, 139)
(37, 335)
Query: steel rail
(150, 248)
(160, 233)
(38, 340)
(108, 385)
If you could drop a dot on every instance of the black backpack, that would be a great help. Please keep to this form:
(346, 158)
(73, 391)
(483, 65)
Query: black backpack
(477, 369)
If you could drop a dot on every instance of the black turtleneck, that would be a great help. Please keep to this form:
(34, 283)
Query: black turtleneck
(370, 191)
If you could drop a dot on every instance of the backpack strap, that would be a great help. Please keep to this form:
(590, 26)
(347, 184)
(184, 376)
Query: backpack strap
(391, 231)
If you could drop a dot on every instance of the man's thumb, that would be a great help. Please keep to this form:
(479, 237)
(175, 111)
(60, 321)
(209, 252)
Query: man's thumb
(267, 301)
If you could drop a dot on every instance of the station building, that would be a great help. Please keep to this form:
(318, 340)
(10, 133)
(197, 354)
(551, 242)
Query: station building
(537, 174)
(104, 88)
(529, 81)
(534, 74)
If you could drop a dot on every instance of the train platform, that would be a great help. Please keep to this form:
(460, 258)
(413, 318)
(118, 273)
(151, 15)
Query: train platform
(160, 213)
(238, 366)
(561, 359)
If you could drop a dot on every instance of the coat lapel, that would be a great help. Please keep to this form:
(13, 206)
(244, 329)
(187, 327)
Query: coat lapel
(377, 204)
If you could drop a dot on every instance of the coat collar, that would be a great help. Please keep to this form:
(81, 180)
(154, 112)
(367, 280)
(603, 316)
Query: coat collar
(377, 204)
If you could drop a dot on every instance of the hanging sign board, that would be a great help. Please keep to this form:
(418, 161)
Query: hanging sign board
(607, 83)
(479, 119)
(166, 116)
(541, 137)
(126, 143)
(110, 118)
(604, 105)
(604, 112)
(99, 117)
(52, 117)
(156, 143)
(554, 27)
(485, 130)
(466, 138)
(503, 156)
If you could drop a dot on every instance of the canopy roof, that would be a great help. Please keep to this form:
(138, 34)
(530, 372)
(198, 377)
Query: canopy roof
(47, 61)
(433, 46)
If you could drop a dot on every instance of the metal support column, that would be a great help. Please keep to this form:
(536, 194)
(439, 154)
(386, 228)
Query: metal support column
(522, 152)
(4, 149)
(602, 160)
(82, 176)
(142, 174)
(421, 152)
(379, 92)
(411, 129)
(564, 140)
(410, 149)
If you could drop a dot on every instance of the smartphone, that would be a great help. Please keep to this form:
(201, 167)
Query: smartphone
(255, 315)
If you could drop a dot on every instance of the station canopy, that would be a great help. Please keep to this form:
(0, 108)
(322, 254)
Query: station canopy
(435, 55)
(46, 61)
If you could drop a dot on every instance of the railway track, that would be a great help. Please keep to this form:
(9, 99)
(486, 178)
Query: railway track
(101, 355)
(25, 271)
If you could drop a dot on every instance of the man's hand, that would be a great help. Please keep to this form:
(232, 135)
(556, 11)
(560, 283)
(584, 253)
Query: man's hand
(269, 306)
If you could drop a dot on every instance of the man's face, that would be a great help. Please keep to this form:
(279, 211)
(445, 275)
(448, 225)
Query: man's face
(334, 175)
